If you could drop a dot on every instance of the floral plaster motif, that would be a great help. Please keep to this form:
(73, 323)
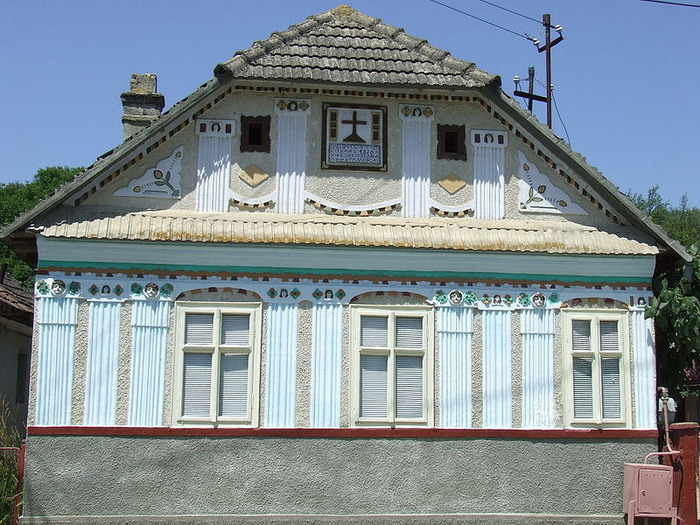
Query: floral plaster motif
(538, 194)
(161, 182)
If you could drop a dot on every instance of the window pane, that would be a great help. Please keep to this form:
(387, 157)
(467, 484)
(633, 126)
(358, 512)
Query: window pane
(196, 390)
(581, 334)
(373, 386)
(373, 332)
(610, 368)
(583, 388)
(233, 386)
(609, 341)
(235, 330)
(409, 332)
(409, 386)
(199, 329)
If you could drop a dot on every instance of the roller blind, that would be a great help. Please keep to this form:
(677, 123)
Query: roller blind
(235, 329)
(409, 332)
(373, 386)
(199, 329)
(583, 388)
(196, 395)
(233, 385)
(609, 341)
(581, 335)
(610, 379)
(409, 386)
(374, 331)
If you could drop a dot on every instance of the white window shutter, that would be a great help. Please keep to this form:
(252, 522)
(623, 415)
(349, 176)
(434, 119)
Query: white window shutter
(581, 335)
(609, 341)
(374, 332)
(233, 385)
(610, 379)
(409, 332)
(409, 386)
(196, 390)
(373, 386)
(583, 387)
(235, 330)
(199, 329)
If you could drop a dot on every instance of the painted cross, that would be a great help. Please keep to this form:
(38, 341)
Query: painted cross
(354, 137)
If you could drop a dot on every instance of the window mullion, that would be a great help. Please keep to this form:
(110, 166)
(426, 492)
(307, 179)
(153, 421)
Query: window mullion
(391, 368)
(215, 367)
(596, 372)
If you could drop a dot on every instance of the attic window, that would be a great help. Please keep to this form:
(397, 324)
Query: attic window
(255, 134)
(451, 142)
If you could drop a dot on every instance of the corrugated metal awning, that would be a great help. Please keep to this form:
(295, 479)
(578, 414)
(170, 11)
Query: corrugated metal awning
(434, 233)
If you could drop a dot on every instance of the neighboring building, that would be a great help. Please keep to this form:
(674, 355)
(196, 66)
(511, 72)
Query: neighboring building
(16, 313)
(347, 279)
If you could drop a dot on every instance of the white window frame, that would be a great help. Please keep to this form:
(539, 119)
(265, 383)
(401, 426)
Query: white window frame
(254, 310)
(594, 316)
(427, 353)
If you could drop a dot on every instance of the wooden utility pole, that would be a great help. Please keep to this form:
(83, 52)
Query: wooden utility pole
(547, 48)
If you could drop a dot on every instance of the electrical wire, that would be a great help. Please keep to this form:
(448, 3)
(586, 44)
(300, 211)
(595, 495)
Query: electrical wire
(671, 3)
(521, 35)
(556, 108)
(510, 11)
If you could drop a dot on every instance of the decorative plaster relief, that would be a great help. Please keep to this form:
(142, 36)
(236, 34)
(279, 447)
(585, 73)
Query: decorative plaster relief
(489, 173)
(216, 128)
(538, 194)
(496, 301)
(415, 154)
(253, 176)
(161, 182)
(452, 183)
(291, 154)
(334, 208)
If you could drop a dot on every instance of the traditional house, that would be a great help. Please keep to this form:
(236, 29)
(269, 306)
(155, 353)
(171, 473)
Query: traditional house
(346, 280)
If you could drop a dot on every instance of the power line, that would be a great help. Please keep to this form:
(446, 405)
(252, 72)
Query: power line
(670, 3)
(556, 107)
(521, 35)
(511, 11)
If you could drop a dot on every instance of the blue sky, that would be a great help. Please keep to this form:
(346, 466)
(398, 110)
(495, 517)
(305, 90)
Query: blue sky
(625, 76)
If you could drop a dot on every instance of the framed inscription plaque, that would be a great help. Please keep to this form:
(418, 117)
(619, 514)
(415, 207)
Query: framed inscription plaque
(354, 137)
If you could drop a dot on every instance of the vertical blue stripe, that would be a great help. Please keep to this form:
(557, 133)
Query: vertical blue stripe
(537, 329)
(455, 327)
(57, 319)
(102, 368)
(150, 320)
(326, 365)
(280, 395)
(497, 380)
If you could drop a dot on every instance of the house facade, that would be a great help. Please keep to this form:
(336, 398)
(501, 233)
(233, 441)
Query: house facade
(346, 280)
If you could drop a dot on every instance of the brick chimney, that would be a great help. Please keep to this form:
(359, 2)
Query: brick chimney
(141, 103)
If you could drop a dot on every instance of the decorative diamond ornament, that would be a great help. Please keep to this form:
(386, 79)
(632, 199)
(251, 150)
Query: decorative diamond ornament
(452, 183)
(253, 176)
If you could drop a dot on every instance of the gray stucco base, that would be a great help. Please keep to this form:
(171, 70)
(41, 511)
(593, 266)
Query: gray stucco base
(272, 480)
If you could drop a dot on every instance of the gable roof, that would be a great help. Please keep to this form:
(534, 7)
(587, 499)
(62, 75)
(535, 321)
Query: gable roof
(16, 302)
(344, 46)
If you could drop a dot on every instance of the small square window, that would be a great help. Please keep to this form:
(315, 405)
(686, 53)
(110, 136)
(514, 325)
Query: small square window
(255, 134)
(451, 142)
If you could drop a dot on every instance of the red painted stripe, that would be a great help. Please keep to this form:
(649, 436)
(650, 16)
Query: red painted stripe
(357, 433)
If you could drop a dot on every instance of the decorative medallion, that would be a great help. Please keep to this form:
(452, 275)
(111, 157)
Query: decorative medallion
(416, 112)
(328, 294)
(523, 299)
(118, 290)
(508, 299)
(538, 194)
(136, 288)
(452, 183)
(469, 298)
(58, 287)
(340, 294)
(272, 293)
(165, 290)
(486, 299)
(106, 289)
(150, 290)
(641, 301)
(441, 297)
(74, 288)
(253, 176)
(295, 293)
(42, 287)
(553, 297)
(317, 294)
(456, 297)
(284, 105)
(93, 289)
(539, 300)
(215, 128)
(354, 137)
(161, 182)
(497, 299)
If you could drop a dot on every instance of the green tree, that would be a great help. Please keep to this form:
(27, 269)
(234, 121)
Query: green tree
(676, 305)
(18, 197)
